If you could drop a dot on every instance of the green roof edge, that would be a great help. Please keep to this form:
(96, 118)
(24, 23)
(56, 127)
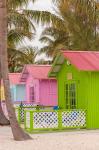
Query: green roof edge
(54, 63)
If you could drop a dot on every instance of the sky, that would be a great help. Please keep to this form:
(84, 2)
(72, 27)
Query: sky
(39, 5)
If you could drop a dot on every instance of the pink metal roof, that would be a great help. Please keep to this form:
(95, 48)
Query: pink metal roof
(83, 60)
(14, 78)
(37, 71)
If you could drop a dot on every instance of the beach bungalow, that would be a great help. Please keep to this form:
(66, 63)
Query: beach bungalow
(40, 89)
(18, 92)
(77, 74)
(18, 89)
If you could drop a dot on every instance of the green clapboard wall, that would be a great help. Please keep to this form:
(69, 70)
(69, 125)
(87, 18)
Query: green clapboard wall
(87, 91)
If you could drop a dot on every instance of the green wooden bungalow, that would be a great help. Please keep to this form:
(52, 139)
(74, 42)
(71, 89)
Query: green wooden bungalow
(77, 73)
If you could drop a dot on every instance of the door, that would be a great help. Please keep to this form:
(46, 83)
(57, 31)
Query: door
(32, 94)
(71, 95)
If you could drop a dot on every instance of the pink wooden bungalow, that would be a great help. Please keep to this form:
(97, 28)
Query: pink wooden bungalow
(40, 89)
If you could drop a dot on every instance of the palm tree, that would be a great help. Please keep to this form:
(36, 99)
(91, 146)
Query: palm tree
(18, 133)
(77, 29)
(3, 119)
(55, 39)
(44, 62)
(21, 25)
(30, 54)
(16, 34)
(17, 58)
(16, 20)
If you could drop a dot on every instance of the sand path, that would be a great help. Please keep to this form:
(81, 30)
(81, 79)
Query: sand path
(79, 140)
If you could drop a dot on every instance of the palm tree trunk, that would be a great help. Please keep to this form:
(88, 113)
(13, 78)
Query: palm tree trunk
(3, 119)
(17, 131)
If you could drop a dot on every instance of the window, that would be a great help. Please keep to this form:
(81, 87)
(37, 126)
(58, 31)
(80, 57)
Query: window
(12, 94)
(71, 100)
(32, 94)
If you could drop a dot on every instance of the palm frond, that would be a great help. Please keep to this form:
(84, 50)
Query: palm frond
(18, 3)
(17, 36)
(44, 17)
(79, 20)
(17, 58)
(19, 20)
(46, 39)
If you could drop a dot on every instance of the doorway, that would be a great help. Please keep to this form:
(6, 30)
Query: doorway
(71, 95)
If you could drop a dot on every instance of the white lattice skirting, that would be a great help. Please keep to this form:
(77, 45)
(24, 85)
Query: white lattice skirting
(73, 118)
(20, 112)
(45, 120)
(57, 119)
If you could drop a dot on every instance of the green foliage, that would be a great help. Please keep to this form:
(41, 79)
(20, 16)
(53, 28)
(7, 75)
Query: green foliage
(77, 31)
(56, 40)
(21, 26)
(18, 3)
(18, 57)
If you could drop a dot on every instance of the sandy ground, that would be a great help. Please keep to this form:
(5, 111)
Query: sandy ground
(79, 140)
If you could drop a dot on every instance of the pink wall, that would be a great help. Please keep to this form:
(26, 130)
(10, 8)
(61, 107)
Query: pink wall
(35, 83)
(48, 92)
(45, 91)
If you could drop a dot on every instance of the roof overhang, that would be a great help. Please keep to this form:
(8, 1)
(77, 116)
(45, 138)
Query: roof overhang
(81, 60)
(24, 75)
(56, 65)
